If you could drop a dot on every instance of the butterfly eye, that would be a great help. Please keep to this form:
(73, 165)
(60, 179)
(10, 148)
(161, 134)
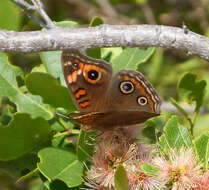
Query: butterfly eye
(142, 100)
(126, 87)
(94, 75)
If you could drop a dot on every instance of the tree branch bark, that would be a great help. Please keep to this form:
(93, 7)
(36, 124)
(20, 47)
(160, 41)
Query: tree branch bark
(105, 36)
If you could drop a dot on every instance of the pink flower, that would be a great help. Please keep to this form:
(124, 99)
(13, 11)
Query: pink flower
(181, 171)
(138, 179)
(204, 182)
(113, 150)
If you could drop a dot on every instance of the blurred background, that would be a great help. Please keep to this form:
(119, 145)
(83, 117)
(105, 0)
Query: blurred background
(163, 69)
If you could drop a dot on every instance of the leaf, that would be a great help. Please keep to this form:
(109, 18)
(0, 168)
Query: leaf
(121, 181)
(202, 149)
(7, 20)
(190, 90)
(9, 88)
(50, 90)
(109, 54)
(96, 21)
(85, 148)
(22, 136)
(175, 135)
(130, 58)
(62, 165)
(149, 169)
(52, 59)
(96, 52)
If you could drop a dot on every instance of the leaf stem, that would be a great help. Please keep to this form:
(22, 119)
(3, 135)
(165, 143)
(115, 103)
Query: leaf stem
(28, 175)
(65, 133)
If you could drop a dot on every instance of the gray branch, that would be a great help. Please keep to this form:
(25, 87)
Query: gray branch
(105, 36)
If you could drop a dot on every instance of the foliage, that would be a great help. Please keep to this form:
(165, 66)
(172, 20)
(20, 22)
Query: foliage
(35, 141)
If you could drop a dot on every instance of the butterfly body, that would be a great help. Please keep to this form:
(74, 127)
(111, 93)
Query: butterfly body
(106, 101)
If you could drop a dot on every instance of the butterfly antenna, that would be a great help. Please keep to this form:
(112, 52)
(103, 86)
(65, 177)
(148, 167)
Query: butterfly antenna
(62, 115)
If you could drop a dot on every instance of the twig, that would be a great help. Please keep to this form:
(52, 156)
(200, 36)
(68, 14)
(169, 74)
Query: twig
(105, 36)
(38, 6)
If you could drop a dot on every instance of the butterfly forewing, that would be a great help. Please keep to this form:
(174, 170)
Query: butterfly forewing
(86, 78)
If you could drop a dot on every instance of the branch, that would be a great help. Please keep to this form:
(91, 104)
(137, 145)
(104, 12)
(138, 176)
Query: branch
(105, 36)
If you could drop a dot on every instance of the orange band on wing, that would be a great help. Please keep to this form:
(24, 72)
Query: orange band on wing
(84, 104)
(80, 93)
(142, 90)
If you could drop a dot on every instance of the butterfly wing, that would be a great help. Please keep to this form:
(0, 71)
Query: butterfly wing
(87, 79)
(104, 121)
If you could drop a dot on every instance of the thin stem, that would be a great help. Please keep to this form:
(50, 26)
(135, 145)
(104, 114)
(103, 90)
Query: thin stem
(28, 175)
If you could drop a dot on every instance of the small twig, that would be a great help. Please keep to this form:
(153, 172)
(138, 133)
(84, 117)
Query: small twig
(38, 6)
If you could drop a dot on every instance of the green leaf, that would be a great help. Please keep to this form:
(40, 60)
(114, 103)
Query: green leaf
(190, 90)
(121, 181)
(9, 88)
(85, 148)
(96, 21)
(10, 18)
(50, 90)
(149, 169)
(62, 165)
(175, 135)
(130, 58)
(22, 136)
(109, 54)
(202, 148)
(52, 59)
(96, 52)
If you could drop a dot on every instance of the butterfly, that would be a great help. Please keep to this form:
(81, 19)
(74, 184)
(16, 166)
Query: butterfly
(106, 100)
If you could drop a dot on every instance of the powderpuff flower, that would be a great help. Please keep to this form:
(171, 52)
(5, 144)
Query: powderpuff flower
(181, 171)
(139, 179)
(115, 149)
(204, 182)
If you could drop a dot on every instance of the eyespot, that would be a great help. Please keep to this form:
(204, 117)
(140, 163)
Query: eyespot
(126, 87)
(142, 100)
(94, 75)
(75, 65)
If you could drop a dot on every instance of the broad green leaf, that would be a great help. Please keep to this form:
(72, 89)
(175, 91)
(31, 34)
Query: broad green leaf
(22, 136)
(191, 90)
(59, 164)
(130, 58)
(175, 135)
(121, 181)
(9, 88)
(52, 59)
(202, 148)
(85, 148)
(11, 15)
(96, 52)
(149, 169)
(50, 90)
(109, 54)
